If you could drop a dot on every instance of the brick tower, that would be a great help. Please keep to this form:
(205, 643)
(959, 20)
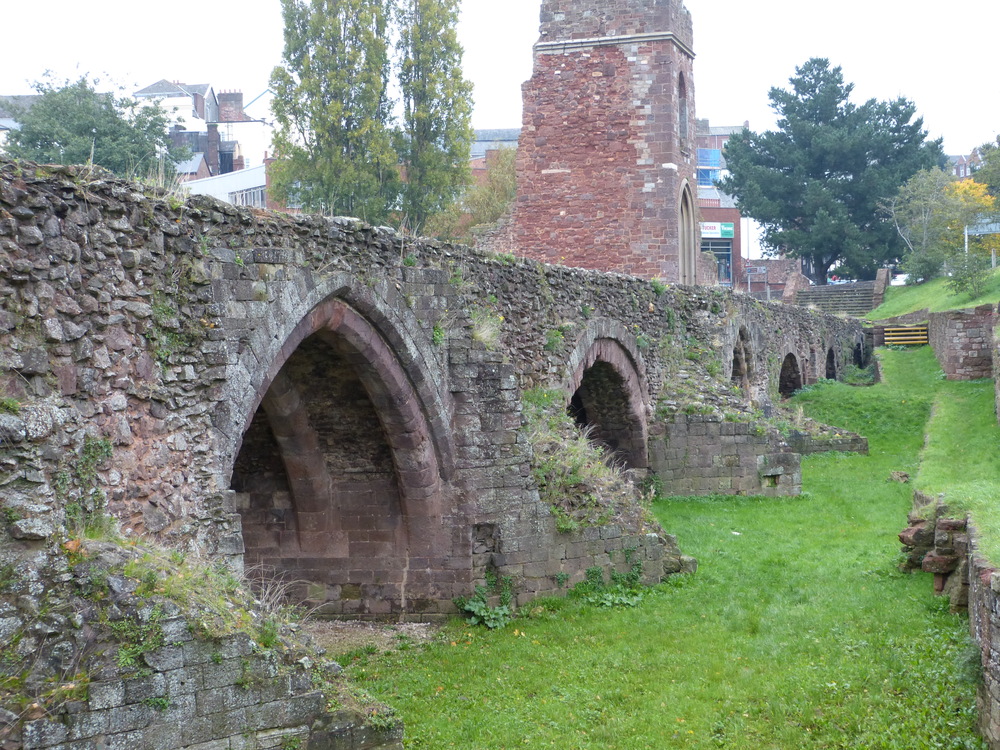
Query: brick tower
(606, 167)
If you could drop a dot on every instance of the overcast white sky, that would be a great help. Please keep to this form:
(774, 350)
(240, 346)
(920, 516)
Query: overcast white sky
(936, 54)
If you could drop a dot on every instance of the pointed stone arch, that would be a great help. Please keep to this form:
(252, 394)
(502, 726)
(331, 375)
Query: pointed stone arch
(742, 372)
(340, 474)
(686, 237)
(831, 365)
(790, 377)
(607, 389)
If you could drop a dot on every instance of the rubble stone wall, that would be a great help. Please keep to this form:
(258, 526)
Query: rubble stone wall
(232, 382)
(155, 330)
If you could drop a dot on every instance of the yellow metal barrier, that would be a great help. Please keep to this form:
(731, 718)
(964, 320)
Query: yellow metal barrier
(910, 335)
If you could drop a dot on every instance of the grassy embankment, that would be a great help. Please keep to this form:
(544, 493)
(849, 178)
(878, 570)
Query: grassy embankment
(962, 457)
(797, 630)
(935, 296)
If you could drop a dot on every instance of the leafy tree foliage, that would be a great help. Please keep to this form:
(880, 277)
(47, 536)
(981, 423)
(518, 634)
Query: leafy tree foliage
(437, 108)
(817, 183)
(930, 212)
(334, 137)
(339, 149)
(482, 205)
(73, 123)
(969, 262)
(988, 172)
(921, 212)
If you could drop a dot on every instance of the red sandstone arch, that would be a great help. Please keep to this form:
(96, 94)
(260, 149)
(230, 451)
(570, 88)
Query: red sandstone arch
(686, 238)
(790, 377)
(356, 539)
(607, 384)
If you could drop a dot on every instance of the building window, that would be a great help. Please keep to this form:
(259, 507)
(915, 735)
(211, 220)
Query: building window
(710, 157)
(723, 252)
(707, 177)
(255, 197)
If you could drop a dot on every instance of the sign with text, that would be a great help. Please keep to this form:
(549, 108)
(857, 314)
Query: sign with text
(717, 230)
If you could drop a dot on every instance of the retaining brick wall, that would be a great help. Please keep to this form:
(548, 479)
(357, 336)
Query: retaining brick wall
(996, 365)
(939, 543)
(963, 341)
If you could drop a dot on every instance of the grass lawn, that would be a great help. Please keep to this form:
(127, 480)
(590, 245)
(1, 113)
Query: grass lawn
(962, 456)
(934, 295)
(797, 631)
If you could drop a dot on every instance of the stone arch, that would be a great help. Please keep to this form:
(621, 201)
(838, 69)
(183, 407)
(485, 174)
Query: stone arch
(339, 472)
(606, 385)
(686, 244)
(831, 365)
(790, 378)
(860, 354)
(742, 368)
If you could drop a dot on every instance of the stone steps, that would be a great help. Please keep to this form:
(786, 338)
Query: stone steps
(849, 299)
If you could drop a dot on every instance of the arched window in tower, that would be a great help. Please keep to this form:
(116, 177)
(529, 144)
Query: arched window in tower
(682, 109)
(687, 256)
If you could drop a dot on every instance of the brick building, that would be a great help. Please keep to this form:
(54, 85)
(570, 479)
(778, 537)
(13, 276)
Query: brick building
(606, 167)
(720, 218)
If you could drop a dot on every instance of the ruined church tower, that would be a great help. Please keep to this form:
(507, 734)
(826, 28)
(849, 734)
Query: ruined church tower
(606, 163)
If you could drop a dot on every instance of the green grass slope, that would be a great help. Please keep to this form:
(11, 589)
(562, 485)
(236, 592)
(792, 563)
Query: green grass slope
(961, 458)
(935, 296)
(797, 631)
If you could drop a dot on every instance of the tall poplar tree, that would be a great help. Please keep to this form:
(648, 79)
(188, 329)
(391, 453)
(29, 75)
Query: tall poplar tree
(334, 137)
(437, 108)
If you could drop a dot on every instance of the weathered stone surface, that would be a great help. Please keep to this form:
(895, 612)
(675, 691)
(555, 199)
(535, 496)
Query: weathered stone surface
(342, 415)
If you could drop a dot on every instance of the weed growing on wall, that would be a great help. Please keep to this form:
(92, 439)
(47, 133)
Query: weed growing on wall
(575, 476)
(487, 326)
(77, 484)
(554, 340)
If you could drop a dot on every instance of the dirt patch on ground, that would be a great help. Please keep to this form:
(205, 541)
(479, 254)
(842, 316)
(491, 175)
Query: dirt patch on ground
(339, 637)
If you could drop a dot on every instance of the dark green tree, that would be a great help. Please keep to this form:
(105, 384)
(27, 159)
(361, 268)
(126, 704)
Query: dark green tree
(72, 123)
(817, 183)
(437, 108)
(334, 137)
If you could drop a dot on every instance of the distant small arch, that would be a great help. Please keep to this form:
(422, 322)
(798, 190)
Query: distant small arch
(790, 379)
(859, 354)
(831, 365)
(742, 371)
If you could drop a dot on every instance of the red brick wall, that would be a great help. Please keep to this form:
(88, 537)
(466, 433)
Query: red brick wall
(601, 163)
(963, 341)
(231, 107)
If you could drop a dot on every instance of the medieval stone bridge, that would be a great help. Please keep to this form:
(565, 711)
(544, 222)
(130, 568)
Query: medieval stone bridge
(344, 404)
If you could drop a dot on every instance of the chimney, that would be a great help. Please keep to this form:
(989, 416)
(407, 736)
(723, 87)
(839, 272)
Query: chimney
(231, 107)
(212, 157)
